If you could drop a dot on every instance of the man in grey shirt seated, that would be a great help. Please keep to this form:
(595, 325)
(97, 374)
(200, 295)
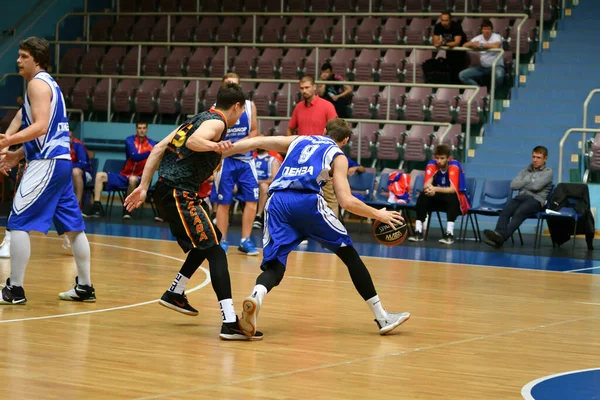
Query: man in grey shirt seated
(534, 184)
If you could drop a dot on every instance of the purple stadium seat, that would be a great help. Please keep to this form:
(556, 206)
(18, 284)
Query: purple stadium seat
(71, 60)
(167, 6)
(244, 62)
(417, 31)
(176, 61)
(514, 6)
(392, 6)
(206, 29)
(146, 5)
(390, 141)
(367, 140)
(159, 30)
(211, 6)
(199, 62)
(124, 95)
(362, 6)
(245, 32)
(528, 36)
(293, 62)
(188, 5)
(168, 97)
(415, 6)
(101, 96)
(443, 105)
(254, 6)
(155, 60)
(129, 66)
(146, 97)
(91, 60)
(417, 57)
(320, 5)
(281, 101)
(228, 29)
(297, 5)
(364, 101)
(478, 106)
(391, 67)
(415, 103)
(184, 28)
(264, 98)
(343, 61)
(345, 6)
(368, 32)
(281, 128)
(128, 6)
(217, 63)
(489, 6)
(267, 65)
(273, 30)
(101, 29)
(111, 62)
(142, 28)
(66, 87)
(417, 142)
(337, 34)
(366, 64)
(392, 31)
(452, 138)
(80, 98)
(438, 6)
(188, 97)
(309, 64)
(296, 30)
(320, 30)
(501, 26)
(232, 6)
(472, 26)
(396, 102)
(266, 127)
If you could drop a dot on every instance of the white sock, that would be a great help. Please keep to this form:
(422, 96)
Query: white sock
(81, 251)
(450, 228)
(178, 285)
(20, 251)
(227, 311)
(419, 226)
(376, 307)
(243, 240)
(259, 292)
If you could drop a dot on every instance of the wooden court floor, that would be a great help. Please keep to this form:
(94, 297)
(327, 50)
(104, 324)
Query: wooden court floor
(475, 332)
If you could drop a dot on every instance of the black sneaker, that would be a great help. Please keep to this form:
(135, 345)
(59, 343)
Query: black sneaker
(177, 302)
(232, 331)
(447, 239)
(126, 214)
(82, 293)
(258, 222)
(418, 237)
(493, 238)
(12, 294)
(96, 211)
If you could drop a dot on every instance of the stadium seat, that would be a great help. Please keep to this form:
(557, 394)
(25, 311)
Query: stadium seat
(443, 105)
(169, 97)
(147, 96)
(416, 103)
(364, 102)
(268, 64)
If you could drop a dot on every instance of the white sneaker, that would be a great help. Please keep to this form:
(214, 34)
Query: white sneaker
(392, 321)
(247, 322)
(5, 249)
(66, 244)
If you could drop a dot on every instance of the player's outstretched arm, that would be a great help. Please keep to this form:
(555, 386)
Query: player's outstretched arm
(351, 203)
(204, 138)
(275, 143)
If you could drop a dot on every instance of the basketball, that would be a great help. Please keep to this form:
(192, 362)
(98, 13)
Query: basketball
(390, 235)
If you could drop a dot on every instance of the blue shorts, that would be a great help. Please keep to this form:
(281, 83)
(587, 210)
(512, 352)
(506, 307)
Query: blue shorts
(45, 195)
(235, 172)
(117, 181)
(292, 216)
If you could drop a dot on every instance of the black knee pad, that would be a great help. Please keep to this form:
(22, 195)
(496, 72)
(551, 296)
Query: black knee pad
(275, 270)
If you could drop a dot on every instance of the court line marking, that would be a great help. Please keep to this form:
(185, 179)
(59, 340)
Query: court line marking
(526, 390)
(582, 269)
(363, 256)
(357, 360)
(200, 286)
(591, 304)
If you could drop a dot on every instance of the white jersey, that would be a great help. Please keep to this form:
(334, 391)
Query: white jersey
(55, 144)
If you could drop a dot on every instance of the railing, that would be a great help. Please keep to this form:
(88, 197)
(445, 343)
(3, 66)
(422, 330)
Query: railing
(562, 144)
(290, 14)
(71, 110)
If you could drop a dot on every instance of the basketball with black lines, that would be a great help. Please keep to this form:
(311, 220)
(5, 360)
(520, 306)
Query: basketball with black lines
(390, 235)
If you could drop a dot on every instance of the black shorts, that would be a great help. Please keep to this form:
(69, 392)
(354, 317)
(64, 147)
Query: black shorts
(187, 216)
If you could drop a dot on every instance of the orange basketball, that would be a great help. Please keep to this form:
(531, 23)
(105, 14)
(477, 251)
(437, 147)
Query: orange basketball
(390, 235)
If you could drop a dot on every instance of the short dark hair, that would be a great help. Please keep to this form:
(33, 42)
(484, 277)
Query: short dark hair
(326, 66)
(486, 23)
(140, 122)
(541, 150)
(446, 13)
(442, 150)
(308, 78)
(38, 48)
(229, 94)
(338, 129)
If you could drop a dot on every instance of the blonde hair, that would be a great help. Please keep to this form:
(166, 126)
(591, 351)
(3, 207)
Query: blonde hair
(231, 75)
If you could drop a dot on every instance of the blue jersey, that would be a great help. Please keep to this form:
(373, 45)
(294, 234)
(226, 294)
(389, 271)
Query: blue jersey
(307, 164)
(263, 164)
(241, 130)
(441, 179)
(55, 144)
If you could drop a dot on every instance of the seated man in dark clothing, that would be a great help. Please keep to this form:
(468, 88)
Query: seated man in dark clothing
(534, 184)
(339, 95)
(450, 33)
(444, 190)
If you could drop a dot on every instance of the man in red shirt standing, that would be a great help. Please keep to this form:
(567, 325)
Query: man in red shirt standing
(310, 118)
(137, 149)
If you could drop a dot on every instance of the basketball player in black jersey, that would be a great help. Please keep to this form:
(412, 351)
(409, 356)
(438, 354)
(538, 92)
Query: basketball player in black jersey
(187, 157)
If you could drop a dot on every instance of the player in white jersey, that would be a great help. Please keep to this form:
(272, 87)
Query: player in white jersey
(45, 194)
(297, 210)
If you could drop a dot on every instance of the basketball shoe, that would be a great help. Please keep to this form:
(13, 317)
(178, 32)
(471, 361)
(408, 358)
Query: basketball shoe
(177, 302)
(12, 294)
(392, 321)
(247, 246)
(232, 331)
(82, 293)
(250, 309)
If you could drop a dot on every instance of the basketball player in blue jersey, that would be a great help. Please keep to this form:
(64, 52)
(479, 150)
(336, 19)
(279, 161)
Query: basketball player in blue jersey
(267, 167)
(45, 194)
(297, 210)
(238, 169)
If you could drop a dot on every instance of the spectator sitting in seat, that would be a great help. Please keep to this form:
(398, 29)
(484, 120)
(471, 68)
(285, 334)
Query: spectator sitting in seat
(534, 184)
(450, 33)
(82, 168)
(354, 167)
(137, 150)
(339, 95)
(487, 40)
(444, 190)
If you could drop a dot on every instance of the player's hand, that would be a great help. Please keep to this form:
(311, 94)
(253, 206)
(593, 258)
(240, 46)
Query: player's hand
(135, 199)
(389, 217)
(8, 160)
(3, 141)
(223, 146)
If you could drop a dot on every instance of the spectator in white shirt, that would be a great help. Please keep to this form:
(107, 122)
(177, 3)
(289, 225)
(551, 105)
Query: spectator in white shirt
(487, 40)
